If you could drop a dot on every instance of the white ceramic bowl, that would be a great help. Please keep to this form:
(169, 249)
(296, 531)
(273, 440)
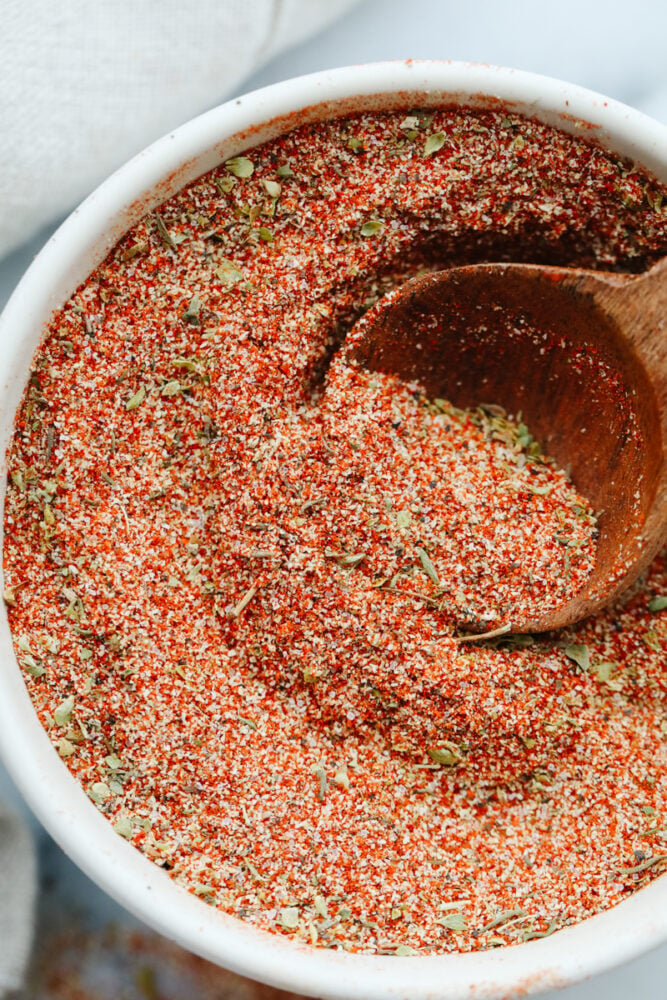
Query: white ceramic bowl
(82, 241)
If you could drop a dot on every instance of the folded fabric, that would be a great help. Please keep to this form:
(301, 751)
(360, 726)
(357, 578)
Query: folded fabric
(17, 898)
(85, 84)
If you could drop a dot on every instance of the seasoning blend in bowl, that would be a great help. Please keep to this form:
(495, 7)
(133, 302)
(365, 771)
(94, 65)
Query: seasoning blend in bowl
(234, 563)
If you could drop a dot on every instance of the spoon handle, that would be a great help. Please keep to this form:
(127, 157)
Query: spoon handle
(638, 306)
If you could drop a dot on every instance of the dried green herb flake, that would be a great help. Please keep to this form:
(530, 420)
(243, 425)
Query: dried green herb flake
(240, 166)
(434, 143)
(603, 670)
(31, 666)
(137, 399)
(99, 792)
(224, 184)
(272, 188)
(652, 639)
(172, 388)
(403, 518)
(657, 859)
(123, 827)
(191, 314)
(289, 918)
(169, 239)
(372, 227)
(352, 560)
(452, 921)
(427, 565)
(63, 713)
(445, 756)
(580, 654)
(65, 748)
(229, 273)
(191, 366)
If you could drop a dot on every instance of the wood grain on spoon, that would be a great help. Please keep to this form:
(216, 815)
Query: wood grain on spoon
(582, 355)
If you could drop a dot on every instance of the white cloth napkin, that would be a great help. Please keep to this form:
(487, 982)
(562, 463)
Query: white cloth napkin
(84, 84)
(17, 897)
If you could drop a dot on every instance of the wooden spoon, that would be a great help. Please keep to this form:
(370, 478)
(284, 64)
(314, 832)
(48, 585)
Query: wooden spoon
(581, 355)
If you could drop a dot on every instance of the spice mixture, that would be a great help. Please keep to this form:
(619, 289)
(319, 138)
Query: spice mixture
(235, 565)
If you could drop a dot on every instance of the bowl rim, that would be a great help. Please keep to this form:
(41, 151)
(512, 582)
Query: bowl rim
(591, 946)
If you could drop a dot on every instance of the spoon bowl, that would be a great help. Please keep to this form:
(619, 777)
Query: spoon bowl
(581, 356)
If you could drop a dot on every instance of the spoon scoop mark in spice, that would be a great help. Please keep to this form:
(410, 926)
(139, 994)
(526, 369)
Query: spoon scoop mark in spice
(581, 356)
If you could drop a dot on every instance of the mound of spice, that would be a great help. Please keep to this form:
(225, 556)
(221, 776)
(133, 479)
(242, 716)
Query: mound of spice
(234, 565)
(459, 510)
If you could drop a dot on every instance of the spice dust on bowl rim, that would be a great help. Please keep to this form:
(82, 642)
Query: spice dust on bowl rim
(570, 955)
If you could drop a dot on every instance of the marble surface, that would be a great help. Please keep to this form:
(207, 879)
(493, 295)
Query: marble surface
(599, 45)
